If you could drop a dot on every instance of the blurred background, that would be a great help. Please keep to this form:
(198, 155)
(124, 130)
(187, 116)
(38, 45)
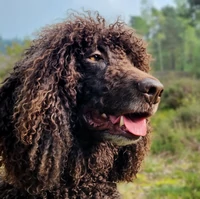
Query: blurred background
(172, 30)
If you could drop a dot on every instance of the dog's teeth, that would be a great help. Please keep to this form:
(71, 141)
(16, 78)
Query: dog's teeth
(104, 115)
(121, 121)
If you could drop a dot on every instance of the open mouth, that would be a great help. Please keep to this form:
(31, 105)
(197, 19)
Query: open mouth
(131, 125)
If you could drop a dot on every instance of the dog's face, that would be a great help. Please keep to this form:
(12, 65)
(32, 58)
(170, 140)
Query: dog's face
(117, 98)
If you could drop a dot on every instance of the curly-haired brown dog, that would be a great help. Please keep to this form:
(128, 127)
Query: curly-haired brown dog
(74, 112)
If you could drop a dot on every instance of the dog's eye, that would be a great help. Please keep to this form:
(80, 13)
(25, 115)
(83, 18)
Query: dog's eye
(95, 57)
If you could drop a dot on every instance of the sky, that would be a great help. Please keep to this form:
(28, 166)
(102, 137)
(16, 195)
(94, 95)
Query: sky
(21, 18)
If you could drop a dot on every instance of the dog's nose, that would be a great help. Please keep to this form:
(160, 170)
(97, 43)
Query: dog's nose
(152, 90)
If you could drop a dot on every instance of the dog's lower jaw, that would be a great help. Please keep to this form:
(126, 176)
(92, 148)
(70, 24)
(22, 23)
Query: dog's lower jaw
(120, 140)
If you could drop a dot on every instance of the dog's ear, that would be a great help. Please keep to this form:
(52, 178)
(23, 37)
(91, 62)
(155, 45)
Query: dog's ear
(37, 118)
(45, 97)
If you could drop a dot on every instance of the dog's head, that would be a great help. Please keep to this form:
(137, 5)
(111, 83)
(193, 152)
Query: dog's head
(116, 95)
(95, 70)
(81, 81)
(116, 98)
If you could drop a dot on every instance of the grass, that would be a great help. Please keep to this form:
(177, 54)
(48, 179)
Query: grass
(167, 177)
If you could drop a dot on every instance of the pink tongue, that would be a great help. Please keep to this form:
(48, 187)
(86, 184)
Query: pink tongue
(135, 126)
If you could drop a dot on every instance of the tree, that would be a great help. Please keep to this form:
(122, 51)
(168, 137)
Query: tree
(172, 33)
(10, 56)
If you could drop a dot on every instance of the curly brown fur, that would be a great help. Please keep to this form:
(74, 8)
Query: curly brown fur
(48, 144)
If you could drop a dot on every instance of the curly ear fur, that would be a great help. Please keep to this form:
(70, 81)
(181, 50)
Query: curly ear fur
(37, 102)
(39, 107)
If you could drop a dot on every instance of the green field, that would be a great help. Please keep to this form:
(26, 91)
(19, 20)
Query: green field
(167, 177)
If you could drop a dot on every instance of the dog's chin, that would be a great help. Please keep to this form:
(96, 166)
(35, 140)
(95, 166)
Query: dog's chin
(120, 140)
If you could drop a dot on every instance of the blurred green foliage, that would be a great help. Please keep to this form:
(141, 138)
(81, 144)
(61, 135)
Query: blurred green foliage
(177, 123)
(173, 35)
(10, 55)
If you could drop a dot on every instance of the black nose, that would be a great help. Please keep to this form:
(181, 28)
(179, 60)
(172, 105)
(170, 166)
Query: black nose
(152, 90)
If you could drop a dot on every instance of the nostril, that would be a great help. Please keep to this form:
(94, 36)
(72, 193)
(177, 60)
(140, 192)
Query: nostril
(151, 88)
(160, 94)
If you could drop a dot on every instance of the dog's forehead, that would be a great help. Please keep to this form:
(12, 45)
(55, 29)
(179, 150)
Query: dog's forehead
(117, 53)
